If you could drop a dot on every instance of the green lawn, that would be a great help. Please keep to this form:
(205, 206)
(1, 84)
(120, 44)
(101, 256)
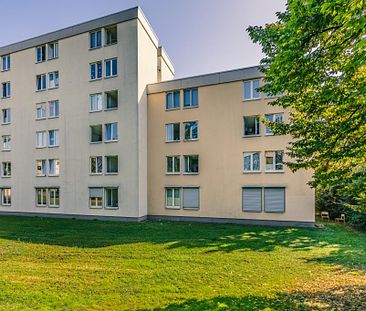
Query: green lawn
(91, 265)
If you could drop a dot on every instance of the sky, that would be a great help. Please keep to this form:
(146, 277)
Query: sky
(200, 36)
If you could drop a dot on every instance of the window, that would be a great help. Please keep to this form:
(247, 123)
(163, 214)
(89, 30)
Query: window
(5, 62)
(96, 102)
(111, 35)
(54, 138)
(191, 198)
(96, 165)
(172, 100)
(276, 117)
(6, 116)
(190, 98)
(54, 197)
(53, 50)
(6, 169)
(41, 139)
(252, 199)
(172, 132)
(95, 39)
(111, 197)
(96, 197)
(111, 132)
(110, 67)
(274, 200)
(112, 164)
(251, 162)
(54, 167)
(172, 198)
(251, 126)
(191, 164)
(6, 142)
(41, 167)
(250, 89)
(41, 53)
(6, 89)
(41, 82)
(41, 197)
(96, 71)
(6, 196)
(41, 111)
(53, 81)
(191, 130)
(96, 133)
(173, 165)
(111, 100)
(53, 109)
(274, 161)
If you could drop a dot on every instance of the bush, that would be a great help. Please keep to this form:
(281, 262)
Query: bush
(331, 201)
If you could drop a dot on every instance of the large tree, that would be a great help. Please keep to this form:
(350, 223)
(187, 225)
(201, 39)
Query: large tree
(315, 56)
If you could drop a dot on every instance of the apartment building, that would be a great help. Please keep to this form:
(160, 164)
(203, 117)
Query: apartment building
(94, 126)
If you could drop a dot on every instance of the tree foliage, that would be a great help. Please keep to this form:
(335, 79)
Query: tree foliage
(315, 55)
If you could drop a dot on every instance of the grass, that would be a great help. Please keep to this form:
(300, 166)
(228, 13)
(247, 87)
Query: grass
(48, 264)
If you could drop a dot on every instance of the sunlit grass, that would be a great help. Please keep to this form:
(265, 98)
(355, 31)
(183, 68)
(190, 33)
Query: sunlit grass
(92, 265)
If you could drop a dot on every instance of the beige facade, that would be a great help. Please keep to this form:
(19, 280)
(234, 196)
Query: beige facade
(124, 175)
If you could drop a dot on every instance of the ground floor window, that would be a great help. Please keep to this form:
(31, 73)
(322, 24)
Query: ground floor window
(111, 197)
(96, 197)
(185, 197)
(6, 196)
(54, 196)
(41, 197)
(267, 199)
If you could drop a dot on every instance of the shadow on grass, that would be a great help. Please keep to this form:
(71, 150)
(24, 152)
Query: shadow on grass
(350, 245)
(350, 298)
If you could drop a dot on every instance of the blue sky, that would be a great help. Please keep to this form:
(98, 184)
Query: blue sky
(201, 36)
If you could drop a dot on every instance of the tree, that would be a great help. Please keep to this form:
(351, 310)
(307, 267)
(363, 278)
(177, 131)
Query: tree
(315, 56)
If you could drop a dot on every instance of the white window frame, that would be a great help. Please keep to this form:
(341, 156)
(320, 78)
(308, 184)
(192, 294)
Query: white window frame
(43, 82)
(190, 93)
(96, 102)
(56, 138)
(4, 201)
(106, 164)
(95, 158)
(273, 168)
(251, 85)
(6, 142)
(56, 167)
(6, 86)
(43, 163)
(41, 107)
(105, 198)
(170, 127)
(96, 39)
(6, 116)
(188, 157)
(5, 62)
(113, 132)
(43, 53)
(52, 50)
(5, 167)
(44, 139)
(173, 206)
(251, 155)
(96, 65)
(109, 63)
(173, 97)
(52, 197)
(53, 80)
(257, 125)
(44, 191)
(174, 158)
(276, 117)
(90, 199)
(185, 124)
(53, 109)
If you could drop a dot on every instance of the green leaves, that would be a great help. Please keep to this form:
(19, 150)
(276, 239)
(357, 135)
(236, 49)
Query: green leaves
(315, 54)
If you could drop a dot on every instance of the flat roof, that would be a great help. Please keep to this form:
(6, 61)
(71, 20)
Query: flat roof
(206, 79)
(111, 19)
